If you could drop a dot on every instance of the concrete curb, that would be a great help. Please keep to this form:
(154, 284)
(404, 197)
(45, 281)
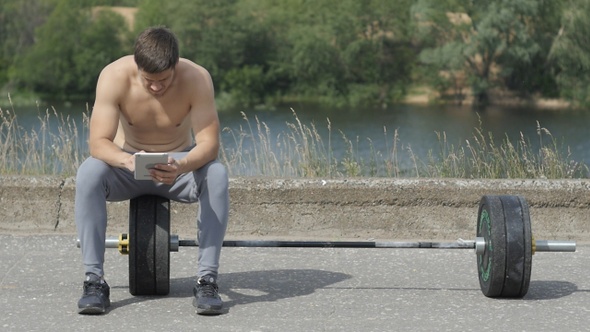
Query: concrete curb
(366, 208)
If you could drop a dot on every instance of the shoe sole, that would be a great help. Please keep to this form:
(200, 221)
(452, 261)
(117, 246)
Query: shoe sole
(92, 311)
(209, 311)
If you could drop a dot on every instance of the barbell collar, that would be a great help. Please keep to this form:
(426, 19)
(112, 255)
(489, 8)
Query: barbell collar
(174, 243)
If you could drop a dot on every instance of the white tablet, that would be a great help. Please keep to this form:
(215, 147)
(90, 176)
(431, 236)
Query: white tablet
(144, 161)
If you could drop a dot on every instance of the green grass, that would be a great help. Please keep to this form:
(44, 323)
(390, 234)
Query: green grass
(300, 151)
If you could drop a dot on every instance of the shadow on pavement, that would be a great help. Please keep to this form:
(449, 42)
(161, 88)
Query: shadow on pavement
(239, 288)
(550, 289)
(242, 288)
(267, 286)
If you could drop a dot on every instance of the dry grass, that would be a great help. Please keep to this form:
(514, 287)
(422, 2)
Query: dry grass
(303, 152)
(46, 150)
(482, 157)
(300, 151)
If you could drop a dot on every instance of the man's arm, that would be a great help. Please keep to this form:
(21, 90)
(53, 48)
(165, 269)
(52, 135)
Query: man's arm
(104, 121)
(205, 124)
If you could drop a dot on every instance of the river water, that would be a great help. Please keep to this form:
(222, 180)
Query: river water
(368, 130)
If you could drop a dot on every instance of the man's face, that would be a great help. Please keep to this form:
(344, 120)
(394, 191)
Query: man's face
(157, 84)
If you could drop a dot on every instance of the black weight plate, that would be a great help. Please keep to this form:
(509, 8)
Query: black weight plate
(504, 268)
(518, 246)
(528, 249)
(149, 245)
(491, 264)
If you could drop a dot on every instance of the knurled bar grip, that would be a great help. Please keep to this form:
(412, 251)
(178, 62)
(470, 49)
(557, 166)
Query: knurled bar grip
(540, 245)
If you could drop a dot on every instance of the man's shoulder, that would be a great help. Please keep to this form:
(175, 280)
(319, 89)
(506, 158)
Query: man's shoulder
(121, 66)
(189, 63)
(192, 69)
(119, 70)
(115, 78)
(193, 76)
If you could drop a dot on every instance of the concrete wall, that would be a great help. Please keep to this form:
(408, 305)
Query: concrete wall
(376, 208)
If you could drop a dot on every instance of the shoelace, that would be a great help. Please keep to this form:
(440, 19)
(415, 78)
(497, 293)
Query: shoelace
(207, 289)
(92, 288)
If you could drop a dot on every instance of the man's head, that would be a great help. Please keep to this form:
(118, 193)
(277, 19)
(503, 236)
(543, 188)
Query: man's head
(156, 56)
(156, 50)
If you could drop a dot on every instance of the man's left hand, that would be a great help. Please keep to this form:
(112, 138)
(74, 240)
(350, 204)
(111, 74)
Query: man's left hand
(166, 173)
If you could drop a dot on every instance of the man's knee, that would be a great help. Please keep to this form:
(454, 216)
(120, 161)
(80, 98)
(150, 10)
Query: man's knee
(216, 174)
(216, 182)
(217, 171)
(91, 173)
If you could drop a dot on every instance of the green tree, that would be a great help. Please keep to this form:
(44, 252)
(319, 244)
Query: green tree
(355, 51)
(571, 53)
(18, 21)
(335, 51)
(379, 54)
(122, 3)
(225, 36)
(47, 67)
(483, 39)
(70, 49)
(101, 42)
(535, 76)
(153, 13)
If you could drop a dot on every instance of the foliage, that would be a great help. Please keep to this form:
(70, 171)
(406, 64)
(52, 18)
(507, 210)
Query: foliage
(482, 39)
(571, 53)
(18, 21)
(99, 44)
(85, 45)
(46, 67)
(535, 75)
(339, 52)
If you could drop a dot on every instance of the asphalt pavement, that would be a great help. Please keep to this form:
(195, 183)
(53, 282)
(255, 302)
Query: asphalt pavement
(294, 289)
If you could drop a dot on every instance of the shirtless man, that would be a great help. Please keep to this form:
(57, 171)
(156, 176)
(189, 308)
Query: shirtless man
(152, 101)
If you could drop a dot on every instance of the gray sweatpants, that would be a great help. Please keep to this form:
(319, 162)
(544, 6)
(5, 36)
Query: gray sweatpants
(97, 183)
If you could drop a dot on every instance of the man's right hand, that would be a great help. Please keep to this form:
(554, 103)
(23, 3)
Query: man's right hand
(129, 163)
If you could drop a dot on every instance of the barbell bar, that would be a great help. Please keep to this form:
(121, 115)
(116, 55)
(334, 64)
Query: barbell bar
(121, 243)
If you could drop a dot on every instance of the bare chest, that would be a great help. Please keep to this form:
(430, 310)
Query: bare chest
(146, 113)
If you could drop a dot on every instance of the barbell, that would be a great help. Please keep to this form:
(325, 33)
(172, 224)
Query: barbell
(503, 245)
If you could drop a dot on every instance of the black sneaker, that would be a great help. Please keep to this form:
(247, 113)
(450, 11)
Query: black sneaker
(207, 300)
(95, 299)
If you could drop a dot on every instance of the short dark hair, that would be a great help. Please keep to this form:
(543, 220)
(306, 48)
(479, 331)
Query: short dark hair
(156, 50)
